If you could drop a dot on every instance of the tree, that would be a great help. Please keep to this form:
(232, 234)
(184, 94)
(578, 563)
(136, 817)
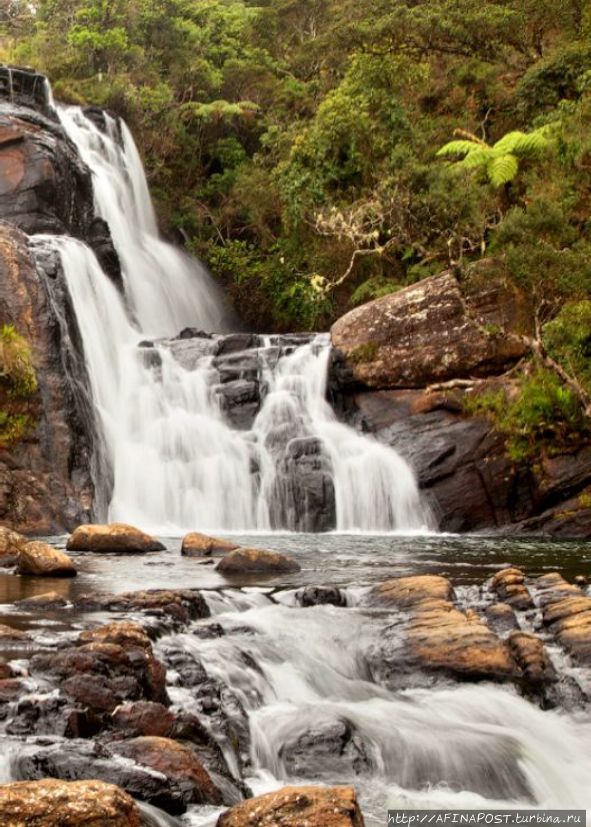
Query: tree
(500, 161)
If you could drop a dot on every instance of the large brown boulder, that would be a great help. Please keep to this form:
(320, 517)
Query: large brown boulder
(11, 543)
(201, 545)
(256, 561)
(296, 806)
(175, 761)
(115, 537)
(433, 331)
(566, 611)
(437, 637)
(42, 560)
(52, 803)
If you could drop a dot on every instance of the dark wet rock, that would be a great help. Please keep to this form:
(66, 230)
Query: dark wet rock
(304, 485)
(328, 749)
(202, 545)
(143, 718)
(176, 761)
(243, 365)
(246, 561)
(295, 806)
(104, 668)
(49, 714)
(53, 803)
(509, 584)
(76, 760)
(100, 239)
(194, 333)
(42, 560)
(240, 399)
(112, 538)
(320, 596)
(173, 607)
(236, 342)
(25, 87)
(501, 618)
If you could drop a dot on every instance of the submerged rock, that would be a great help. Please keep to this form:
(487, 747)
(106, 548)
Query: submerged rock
(53, 803)
(256, 561)
(201, 545)
(42, 560)
(296, 806)
(49, 600)
(115, 537)
(320, 596)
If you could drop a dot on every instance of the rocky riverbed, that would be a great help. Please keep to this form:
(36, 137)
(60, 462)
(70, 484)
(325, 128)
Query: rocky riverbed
(393, 671)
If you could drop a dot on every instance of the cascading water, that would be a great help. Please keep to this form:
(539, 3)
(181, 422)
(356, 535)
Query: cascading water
(176, 462)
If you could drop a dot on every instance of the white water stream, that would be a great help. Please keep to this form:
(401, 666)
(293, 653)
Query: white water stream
(175, 459)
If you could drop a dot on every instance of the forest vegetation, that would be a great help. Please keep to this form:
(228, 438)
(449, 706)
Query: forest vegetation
(317, 154)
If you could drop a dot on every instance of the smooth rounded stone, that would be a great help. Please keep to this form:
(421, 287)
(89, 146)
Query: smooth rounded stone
(296, 806)
(201, 545)
(53, 803)
(49, 600)
(11, 543)
(530, 655)
(112, 538)
(501, 618)
(42, 560)
(405, 592)
(320, 596)
(176, 762)
(256, 561)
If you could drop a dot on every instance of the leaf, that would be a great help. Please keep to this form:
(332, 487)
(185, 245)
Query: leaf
(479, 157)
(521, 143)
(502, 169)
(458, 148)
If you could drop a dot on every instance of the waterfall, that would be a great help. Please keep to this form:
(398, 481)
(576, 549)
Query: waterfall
(176, 460)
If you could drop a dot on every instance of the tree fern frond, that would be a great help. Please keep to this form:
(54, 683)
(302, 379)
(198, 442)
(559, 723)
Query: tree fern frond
(522, 143)
(458, 148)
(502, 169)
(479, 157)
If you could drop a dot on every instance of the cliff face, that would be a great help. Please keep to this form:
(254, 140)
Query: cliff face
(402, 368)
(45, 480)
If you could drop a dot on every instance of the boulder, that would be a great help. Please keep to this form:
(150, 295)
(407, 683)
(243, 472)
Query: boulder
(11, 543)
(435, 330)
(143, 718)
(566, 611)
(113, 538)
(42, 560)
(296, 806)
(201, 545)
(530, 655)
(501, 618)
(320, 596)
(509, 584)
(434, 636)
(256, 561)
(53, 803)
(176, 762)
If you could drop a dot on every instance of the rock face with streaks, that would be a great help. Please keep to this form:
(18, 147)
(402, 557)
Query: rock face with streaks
(392, 361)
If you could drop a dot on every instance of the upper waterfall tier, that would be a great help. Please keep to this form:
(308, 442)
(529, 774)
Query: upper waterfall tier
(203, 432)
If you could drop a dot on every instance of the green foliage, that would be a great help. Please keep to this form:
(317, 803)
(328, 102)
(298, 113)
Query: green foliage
(373, 288)
(540, 414)
(499, 162)
(567, 339)
(16, 368)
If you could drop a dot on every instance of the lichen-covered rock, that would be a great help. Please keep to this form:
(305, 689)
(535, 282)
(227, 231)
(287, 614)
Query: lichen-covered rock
(53, 803)
(112, 538)
(256, 561)
(201, 545)
(42, 560)
(432, 331)
(296, 806)
(404, 592)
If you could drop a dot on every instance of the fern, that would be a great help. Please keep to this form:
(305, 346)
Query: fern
(502, 169)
